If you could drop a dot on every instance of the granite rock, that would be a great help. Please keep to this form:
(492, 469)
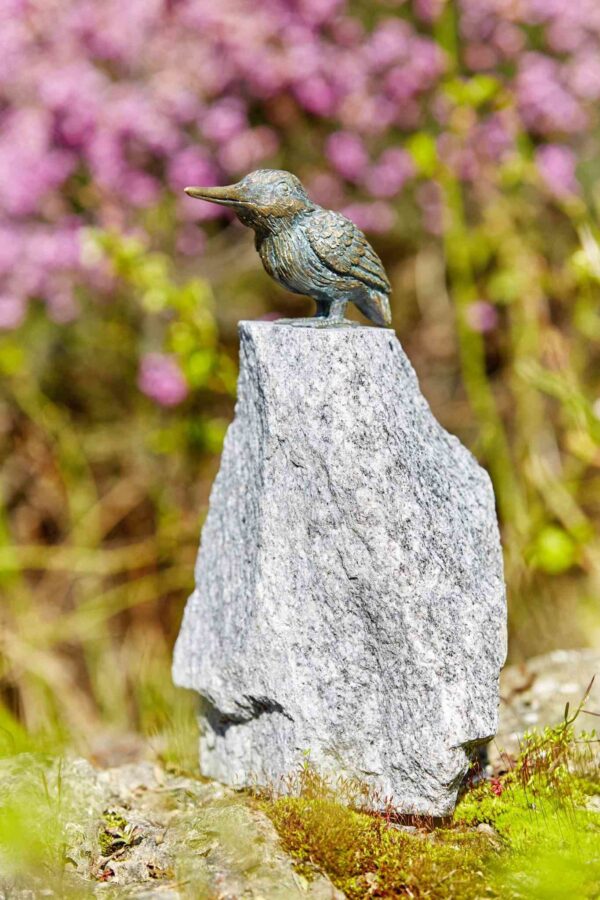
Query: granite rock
(349, 597)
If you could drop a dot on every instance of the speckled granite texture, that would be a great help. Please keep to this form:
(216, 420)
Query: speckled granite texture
(349, 593)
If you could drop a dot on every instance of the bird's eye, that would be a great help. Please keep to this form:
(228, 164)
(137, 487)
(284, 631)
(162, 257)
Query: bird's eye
(284, 188)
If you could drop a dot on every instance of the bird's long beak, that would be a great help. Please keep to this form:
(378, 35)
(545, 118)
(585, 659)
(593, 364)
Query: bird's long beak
(230, 195)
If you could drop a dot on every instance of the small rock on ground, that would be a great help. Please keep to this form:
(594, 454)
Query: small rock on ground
(535, 693)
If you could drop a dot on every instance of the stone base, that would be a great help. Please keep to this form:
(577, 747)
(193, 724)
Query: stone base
(349, 596)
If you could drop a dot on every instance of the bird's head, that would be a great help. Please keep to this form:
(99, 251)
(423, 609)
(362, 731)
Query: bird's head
(261, 200)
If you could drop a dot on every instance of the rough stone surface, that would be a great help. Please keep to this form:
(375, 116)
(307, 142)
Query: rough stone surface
(138, 831)
(349, 593)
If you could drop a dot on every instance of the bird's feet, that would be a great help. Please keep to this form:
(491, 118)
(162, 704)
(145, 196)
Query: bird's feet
(318, 322)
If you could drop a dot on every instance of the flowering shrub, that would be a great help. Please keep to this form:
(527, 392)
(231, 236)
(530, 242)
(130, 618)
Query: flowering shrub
(108, 109)
(161, 379)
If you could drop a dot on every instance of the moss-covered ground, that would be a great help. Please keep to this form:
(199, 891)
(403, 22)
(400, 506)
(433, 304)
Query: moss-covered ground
(533, 831)
(528, 832)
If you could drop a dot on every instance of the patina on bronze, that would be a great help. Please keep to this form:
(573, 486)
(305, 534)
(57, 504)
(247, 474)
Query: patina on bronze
(309, 250)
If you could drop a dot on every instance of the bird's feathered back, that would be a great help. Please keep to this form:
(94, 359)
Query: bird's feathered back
(344, 249)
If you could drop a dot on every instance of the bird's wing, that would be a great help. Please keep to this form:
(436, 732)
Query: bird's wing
(344, 249)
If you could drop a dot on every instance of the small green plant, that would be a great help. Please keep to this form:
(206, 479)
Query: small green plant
(116, 834)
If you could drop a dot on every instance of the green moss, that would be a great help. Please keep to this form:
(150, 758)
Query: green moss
(363, 855)
(540, 810)
(543, 841)
(116, 834)
(329, 828)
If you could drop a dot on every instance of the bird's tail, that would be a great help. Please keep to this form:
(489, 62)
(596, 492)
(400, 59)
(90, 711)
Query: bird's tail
(376, 307)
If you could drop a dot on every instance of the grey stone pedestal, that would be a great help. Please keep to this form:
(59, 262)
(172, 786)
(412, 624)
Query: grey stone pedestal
(349, 594)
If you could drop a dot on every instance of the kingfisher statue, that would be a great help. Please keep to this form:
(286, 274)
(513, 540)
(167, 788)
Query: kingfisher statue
(309, 250)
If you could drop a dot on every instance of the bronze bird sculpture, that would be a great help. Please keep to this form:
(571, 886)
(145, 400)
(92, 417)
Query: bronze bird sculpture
(309, 250)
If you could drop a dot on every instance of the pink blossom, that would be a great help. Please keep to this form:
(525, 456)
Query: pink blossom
(12, 311)
(224, 119)
(494, 139)
(193, 165)
(480, 56)
(482, 316)
(317, 12)
(583, 74)
(247, 150)
(508, 39)
(368, 113)
(429, 10)
(389, 43)
(429, 198)
(316, 95)
(61, 302)
(347, 153)
(556, 164)
(326, 189)
(389, 175)
(378, 217)
(545, 102)
(11, 247)
(57, 247)
(161, 379)
(30, 168)
(142, 189)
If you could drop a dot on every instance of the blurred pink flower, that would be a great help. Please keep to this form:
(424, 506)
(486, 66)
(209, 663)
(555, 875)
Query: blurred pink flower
(508, 39)
(367, 113)
(247, 149)
(55, 247)
(161, 379)
(224, 119)
(193, 165)
(326, 189)
(11, 247)
(377, 217)
(389, 43)
(12, 311)
(545, 102)
(418, 74)
(391, 172)
(429, 10)
(482, 316)
(61, 302)
(583, 74)
(142, 189)
(556, 164)
(30, 168)
(494, 138)
(348, 154)
(480, 56)
(316, 95)
(429, 198)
